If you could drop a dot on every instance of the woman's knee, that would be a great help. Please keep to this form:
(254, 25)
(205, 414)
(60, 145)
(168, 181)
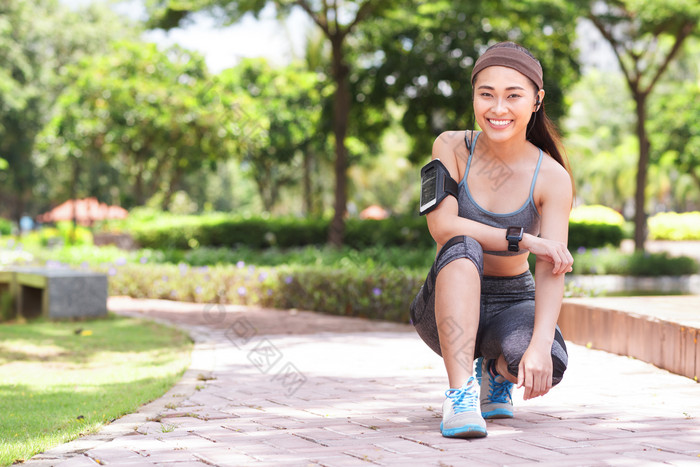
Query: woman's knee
(461, 247)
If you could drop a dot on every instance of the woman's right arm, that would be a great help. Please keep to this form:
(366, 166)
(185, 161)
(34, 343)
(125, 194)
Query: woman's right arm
(445, 223)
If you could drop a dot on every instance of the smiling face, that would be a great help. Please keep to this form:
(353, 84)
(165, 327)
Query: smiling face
(504, 100)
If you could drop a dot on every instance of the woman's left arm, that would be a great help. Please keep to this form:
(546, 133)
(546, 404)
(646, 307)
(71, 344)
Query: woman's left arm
(535, 372)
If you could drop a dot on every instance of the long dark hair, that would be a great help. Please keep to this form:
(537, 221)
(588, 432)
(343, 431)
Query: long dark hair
(541, 131)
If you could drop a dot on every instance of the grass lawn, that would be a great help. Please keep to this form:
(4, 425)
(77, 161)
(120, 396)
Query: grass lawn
(60, 380)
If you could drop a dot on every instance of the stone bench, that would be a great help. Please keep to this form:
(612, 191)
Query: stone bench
(56, 293)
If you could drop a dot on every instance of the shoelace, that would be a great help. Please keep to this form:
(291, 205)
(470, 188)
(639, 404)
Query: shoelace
(464, 399)
(500, 392)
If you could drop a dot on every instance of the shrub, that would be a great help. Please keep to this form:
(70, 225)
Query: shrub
(595, 226)
(5, 226)
(675, 226)
(590, 226)
(183, 232)
(609, 261)
(379, 293)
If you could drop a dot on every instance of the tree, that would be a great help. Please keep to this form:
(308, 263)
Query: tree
(149, 116)
(646, 37)
(38, 40)
(337, 21)
(427, 54)
(279, 112)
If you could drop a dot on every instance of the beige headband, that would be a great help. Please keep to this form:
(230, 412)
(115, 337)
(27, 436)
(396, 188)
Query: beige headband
(511, 58)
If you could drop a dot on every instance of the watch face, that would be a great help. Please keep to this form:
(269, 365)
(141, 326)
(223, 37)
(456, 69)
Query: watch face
(514, 232)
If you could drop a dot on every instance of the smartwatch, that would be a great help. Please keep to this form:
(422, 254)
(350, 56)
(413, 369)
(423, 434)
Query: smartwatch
(514, 235)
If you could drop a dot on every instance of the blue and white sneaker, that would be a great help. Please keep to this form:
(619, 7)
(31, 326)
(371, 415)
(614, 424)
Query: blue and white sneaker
(496, 398)
(461, 417)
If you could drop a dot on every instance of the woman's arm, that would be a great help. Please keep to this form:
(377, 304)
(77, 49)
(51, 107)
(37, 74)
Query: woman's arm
(535, 372)
(444, 221)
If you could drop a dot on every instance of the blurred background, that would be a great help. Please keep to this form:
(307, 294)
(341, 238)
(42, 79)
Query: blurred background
(217, 131)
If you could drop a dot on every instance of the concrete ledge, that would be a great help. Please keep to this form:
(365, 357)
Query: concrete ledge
(659, 330)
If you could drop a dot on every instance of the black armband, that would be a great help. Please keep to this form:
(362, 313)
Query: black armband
(435, 184)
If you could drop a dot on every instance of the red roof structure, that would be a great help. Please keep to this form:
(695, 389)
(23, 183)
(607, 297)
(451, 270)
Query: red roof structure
(86, 211)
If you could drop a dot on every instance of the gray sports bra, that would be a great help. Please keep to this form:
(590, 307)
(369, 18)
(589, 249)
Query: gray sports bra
(526, 217)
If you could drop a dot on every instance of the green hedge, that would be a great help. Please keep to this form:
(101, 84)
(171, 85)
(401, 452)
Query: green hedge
(5, 226)
(378, 293)
(592, 226)
(292, 232)
(675, 226)
(608, 261)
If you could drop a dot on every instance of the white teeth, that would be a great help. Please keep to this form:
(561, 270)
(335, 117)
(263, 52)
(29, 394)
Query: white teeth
(499, 122)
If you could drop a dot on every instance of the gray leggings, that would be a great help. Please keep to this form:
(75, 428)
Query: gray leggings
(507, 315)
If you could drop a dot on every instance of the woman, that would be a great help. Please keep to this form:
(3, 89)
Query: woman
(479, 299)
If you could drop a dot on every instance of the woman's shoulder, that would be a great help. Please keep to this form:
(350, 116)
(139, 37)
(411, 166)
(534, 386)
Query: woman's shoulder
(553, 176)
(452, 143)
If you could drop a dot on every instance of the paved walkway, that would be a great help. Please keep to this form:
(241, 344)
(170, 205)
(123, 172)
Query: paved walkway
(269, 387)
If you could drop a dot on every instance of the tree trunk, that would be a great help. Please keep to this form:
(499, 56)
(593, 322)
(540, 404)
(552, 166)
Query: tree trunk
(74, 198)
(640, 216)
(308, 205)
(341, 113)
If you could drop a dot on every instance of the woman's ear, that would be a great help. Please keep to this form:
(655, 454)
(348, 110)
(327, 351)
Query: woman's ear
(540, 98)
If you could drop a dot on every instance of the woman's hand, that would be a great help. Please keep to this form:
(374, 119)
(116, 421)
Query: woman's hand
(535, 370)
(551, 251)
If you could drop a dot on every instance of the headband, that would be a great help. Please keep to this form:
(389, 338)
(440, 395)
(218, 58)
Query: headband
(511, 58)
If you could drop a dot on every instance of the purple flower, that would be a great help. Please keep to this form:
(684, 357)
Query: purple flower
(112, 272)
(377, 291)
(262, 277)
(240, 264)
(173, 294)
(164, 278)
(288, 280)
(581, 250)
(120, 261)
(183, 268)
(269, 292)
(198, 290)
(143, 260)
(241, 291)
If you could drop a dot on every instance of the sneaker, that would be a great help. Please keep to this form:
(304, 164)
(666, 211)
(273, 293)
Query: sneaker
(496, 399)
(460, 415)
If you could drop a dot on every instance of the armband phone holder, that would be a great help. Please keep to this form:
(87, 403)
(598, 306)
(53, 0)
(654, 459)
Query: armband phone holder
(435, 184)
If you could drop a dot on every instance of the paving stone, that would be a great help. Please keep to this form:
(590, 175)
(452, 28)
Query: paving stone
(374, 398)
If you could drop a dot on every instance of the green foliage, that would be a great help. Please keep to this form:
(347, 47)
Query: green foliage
(38, 40)
(596, 213)
(609, 261)
(62, 234)
(217, 231)
(108, 368)
(141, 118)
(595, 226)
(675, 226)
(279, 113)
(428, 50)
(5, 226)
(380, 292)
